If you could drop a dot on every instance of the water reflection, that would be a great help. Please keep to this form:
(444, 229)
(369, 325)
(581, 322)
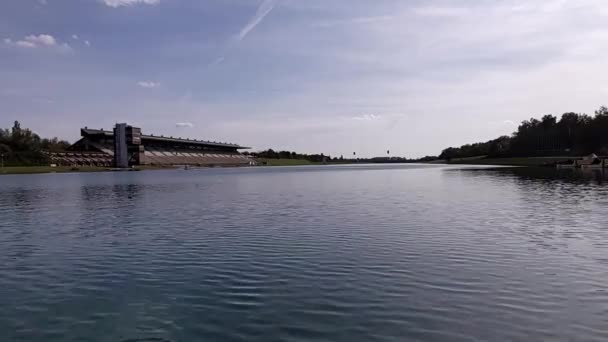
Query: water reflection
(554, 209)
(576, 176)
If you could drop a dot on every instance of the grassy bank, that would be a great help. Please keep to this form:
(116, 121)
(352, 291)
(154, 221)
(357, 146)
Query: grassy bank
(13, 170)
(23, 170)
(283, 162)
(296, 162)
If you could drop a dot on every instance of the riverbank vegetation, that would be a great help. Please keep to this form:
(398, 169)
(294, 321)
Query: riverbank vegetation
(286, 156)
(536, 142)
(22, 147)
(282, 158)
(283, 162)
(572, 135)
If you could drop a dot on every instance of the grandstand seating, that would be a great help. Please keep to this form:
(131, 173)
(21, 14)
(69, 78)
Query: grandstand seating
(80, 159)
(159, 156)
(96, 148)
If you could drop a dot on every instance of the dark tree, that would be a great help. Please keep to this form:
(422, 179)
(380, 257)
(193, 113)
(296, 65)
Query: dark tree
(573, 134)
(21, 146)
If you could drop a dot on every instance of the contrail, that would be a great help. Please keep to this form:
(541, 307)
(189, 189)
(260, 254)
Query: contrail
(260, 14)
(265, 7)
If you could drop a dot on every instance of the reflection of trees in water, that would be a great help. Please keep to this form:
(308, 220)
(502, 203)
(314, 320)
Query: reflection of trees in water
(544, 174)
(552, 185)
(552, 208)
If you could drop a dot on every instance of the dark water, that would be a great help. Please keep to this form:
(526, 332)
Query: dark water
(364, 253)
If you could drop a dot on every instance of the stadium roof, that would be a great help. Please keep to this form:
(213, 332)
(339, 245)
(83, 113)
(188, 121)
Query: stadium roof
(89, 131)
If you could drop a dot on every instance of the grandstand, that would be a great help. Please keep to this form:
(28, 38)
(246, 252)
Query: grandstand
(97, 148)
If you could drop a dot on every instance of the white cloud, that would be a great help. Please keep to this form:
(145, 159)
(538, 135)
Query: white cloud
(119, 3)
(184, 124)
(87, 43)
(25, 44)
(42, 2)
(75, 36)
(260, 14)
(508, 122)
(33, 41)
(22, 43)
(367, 117)
(146, 84)
(42, 39)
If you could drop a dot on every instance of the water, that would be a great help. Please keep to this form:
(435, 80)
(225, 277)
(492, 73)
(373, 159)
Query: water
(344, 253)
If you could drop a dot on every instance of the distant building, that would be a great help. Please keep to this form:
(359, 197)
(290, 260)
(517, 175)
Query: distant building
(126, 146)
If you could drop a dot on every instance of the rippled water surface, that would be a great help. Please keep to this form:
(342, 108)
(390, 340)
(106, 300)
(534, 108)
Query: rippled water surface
(344, 253)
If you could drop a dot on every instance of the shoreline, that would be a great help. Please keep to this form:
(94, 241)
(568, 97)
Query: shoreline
(31, 170)
(515, 162)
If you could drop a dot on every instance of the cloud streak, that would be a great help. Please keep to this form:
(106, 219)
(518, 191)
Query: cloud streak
(125, 3)
(147, 84)
(367, 117)
(184, 125)
(265, 8)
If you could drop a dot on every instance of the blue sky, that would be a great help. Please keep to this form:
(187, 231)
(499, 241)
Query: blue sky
(332, 76)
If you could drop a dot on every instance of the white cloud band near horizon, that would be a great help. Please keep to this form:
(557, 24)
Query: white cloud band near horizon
(184, 125)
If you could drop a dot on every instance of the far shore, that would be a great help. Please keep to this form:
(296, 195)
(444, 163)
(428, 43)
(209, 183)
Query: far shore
(518, 161)
(24, 170)
(481, 160)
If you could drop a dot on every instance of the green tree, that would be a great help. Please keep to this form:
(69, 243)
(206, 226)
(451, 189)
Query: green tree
(21, 146)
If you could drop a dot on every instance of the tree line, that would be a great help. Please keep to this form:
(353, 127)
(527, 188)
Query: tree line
(573, 134)
(20, 146)
(318, 158)
(272, 154)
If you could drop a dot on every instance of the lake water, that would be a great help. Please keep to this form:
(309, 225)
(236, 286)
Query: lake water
(335, 253)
